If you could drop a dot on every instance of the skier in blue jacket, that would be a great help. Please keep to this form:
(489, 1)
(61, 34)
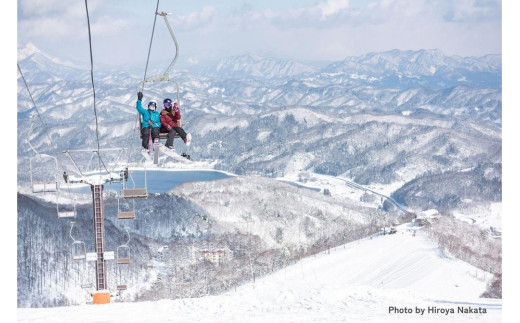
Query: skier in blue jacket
(151, 121)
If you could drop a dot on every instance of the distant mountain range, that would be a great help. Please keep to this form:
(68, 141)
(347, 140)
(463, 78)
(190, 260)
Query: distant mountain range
(428, 124)
(379, 118)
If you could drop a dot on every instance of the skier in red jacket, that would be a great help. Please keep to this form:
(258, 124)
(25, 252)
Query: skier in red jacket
(171, 123)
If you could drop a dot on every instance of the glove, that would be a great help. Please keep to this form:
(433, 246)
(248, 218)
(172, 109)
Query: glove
(169, 128)
(150, 123)
(139, 95)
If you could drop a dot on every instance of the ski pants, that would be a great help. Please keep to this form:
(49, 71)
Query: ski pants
(172, 133)
(145, 133)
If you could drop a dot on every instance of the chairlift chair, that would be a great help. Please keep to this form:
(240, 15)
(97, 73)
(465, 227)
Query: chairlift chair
(46, 185)
(65, 212)
(163, 133)
(165, 77)
(130, 214)
(123, 251)
(135, 192)
(79, 251)
(123, 255)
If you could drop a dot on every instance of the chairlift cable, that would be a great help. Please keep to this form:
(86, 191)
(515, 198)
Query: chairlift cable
(93, 88)
(46, 132)
(35, 107)
(150, 47)
(137, 124)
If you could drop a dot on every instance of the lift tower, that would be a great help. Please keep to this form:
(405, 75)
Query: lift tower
(96, 179)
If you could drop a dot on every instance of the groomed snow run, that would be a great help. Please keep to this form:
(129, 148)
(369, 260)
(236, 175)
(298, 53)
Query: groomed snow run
(358, 282)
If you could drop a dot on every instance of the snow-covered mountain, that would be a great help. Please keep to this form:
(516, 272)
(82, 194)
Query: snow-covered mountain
(423, 125)
(251, 65)
(427, 68)
(248, 218)
(257, 125)
(362, 280)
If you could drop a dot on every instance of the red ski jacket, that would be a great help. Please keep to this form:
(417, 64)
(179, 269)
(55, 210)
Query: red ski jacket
(170, 118)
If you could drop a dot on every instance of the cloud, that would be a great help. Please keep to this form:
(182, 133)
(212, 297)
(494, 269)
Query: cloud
(326, 29)
(58, 19)
(196, 20)
(331, 7)
(472, 11)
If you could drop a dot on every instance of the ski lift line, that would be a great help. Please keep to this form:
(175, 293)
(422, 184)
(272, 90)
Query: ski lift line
(27, 139)
(39, 116)
(30, 95)
(138, 120)
(93, 87)
(150, 47)
(43, 124)
(50, 186)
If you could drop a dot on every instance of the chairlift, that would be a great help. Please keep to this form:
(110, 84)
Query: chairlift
(65, 211)
(130, 214)
(135, 192)
(165, 77)
(79, 251)
(123, 251)
(49, 184)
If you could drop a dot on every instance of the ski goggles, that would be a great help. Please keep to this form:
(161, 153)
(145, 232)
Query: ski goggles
(167, 104)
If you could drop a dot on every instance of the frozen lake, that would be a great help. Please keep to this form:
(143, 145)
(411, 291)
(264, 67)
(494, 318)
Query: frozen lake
(161, 181)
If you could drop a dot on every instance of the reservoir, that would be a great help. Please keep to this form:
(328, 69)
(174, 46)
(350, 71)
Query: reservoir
(160, 181)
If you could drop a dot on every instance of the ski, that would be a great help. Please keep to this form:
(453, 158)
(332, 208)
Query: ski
(170, 152)
(147, 156)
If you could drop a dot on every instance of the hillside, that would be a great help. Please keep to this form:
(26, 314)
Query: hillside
(358, 281)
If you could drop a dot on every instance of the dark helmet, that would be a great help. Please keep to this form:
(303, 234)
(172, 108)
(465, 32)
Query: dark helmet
(167, 103)
(152, 103)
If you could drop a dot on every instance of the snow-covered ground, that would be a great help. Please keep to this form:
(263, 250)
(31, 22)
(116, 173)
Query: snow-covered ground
(337, 186)
(358, 282)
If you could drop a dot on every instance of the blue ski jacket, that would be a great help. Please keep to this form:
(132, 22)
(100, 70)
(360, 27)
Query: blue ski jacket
(148, 115)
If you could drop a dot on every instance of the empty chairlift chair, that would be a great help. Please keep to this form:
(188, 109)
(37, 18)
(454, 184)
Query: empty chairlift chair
(65, 211)
(123, 252)
(135, 192)
(49, 184)
(130, 214)
(79, 251)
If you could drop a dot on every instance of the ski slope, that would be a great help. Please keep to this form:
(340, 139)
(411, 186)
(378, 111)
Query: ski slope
(357, 282)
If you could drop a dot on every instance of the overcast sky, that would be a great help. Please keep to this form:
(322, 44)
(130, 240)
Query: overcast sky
(298, 29)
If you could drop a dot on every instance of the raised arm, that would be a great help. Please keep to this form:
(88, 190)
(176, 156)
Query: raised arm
(139, 104)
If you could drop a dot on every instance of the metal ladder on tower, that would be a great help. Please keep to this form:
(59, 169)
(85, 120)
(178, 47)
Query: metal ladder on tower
(97, 192)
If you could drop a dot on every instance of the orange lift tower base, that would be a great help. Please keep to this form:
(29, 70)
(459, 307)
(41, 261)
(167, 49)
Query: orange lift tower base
(101, 297)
